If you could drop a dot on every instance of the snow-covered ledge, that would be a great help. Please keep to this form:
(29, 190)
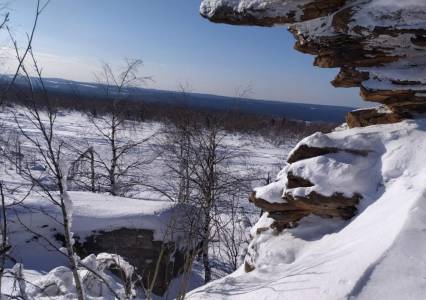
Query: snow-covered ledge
(327, 258)
(345, 218)
(379, 45)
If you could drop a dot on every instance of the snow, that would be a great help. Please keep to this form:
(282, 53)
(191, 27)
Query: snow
(59, 282)
(273, 192)
(400, 21)
(100, 211)
(345, 171)
(408, 14)
(379, 254)
(268, 8)
(96, 211)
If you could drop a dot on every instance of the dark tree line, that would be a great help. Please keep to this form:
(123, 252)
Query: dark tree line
(275, 129)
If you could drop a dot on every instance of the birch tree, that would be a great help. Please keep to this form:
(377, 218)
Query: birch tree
(39, 114)
(117, 131)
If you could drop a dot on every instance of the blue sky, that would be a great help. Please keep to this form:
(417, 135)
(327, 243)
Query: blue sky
(177, 46)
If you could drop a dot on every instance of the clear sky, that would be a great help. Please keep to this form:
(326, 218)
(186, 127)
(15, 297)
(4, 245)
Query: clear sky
(177, 46)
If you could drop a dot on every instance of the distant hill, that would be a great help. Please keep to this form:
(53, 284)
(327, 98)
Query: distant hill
(290, 110)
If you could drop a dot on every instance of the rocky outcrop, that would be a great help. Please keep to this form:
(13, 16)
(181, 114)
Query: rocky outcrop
(320, 180)
(329, 259)
(146, 233)
(139, 248)
(293, 208)
(379, 46)
(366, 117)
(305, 151)
(288, 214)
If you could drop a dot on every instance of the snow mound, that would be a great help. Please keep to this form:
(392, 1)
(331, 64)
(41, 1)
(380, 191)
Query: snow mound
(379, 254)
(37, 219)
(98, 280)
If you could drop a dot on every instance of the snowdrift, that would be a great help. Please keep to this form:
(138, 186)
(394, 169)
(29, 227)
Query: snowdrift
(378, 254)
(91, 212)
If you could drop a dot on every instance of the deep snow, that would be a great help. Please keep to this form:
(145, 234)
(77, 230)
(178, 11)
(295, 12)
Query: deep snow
(379, 254)
(148, 210)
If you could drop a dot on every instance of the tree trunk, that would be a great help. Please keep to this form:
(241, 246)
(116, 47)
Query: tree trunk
(70, 251)
(4, 246)
(92, 171)
(19, 157)
(114, 160)
(67, 232)
(205, 249)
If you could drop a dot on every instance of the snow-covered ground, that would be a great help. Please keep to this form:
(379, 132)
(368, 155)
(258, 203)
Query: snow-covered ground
(379, 254)
(100, 211)
(361, 258)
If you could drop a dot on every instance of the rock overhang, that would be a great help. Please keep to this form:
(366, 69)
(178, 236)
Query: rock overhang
(379, 45)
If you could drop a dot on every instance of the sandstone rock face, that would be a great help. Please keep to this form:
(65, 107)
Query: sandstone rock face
(289, 213)
(320, 180)
(366, 117)
(305, 151)
(379, 45)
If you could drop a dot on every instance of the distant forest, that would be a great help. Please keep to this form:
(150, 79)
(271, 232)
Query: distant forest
(274, 128)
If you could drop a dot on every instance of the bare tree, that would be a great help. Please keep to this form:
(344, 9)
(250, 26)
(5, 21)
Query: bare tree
(4, 247)
(82, 171)
(50, 149)
(233, 237)
(175, 142)
(198, 160)
(40, 7)
(116, 130)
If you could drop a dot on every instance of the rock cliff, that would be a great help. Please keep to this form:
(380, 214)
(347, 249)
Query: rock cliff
(379, 45)
(345, 217)
(346, 220)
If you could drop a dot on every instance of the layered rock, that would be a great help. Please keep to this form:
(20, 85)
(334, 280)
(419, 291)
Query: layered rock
(330, 259)
(373, 173)
(372, 116)
(288, 214)
(379, 45)
(318, 180)
(332, 176)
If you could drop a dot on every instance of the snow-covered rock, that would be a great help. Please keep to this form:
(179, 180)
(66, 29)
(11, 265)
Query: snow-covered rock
(380, 45)
(345, 219)
(137, 230)
(378, 254)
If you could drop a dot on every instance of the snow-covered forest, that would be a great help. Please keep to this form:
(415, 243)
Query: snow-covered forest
(99, 201)
(106, 194)
(147, 196)
(74, 173)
